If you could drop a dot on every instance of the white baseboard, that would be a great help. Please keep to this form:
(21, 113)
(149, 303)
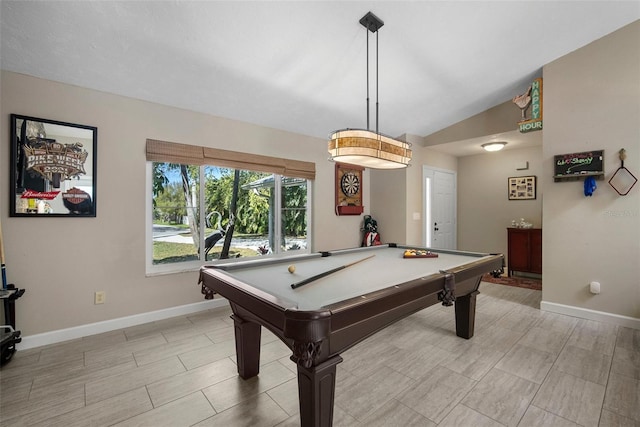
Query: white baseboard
(60, 335)
(585, 313)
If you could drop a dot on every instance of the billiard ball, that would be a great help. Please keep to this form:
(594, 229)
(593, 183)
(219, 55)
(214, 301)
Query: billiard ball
(292, 268)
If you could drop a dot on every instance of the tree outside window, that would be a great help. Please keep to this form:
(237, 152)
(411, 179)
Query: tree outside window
(206, 213)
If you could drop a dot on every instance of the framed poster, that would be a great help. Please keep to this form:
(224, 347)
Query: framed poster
(522, 188)
(53, 168)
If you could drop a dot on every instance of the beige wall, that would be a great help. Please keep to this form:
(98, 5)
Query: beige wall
(591, 102)
(388, 204)
(63, 261)
(484, 210)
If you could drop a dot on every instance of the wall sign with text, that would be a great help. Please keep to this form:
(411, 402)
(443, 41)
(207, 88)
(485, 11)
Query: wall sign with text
(578, 165)
(531, 99)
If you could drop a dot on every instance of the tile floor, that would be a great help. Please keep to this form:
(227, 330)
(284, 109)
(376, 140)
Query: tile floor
(522, 368)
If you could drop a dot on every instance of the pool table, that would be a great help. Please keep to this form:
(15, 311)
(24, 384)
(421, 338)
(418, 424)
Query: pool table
(369, 289)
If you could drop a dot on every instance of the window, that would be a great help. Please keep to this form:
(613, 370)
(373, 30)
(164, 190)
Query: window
(193, 218)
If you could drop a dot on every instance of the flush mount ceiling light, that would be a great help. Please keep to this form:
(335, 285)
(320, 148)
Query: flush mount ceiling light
(494, 146)
(364, 147)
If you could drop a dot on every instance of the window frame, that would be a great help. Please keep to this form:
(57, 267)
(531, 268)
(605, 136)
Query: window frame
(152, 269)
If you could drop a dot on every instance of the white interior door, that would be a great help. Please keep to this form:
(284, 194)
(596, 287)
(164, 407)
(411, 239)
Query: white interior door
(440, 208)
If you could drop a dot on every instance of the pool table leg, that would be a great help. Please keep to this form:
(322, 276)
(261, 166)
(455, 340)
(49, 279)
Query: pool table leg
(247, 346)
(316, 389)
(466, 314)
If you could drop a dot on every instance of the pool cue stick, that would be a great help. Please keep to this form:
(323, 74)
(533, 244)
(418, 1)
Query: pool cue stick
(2, 263)
(326, 273)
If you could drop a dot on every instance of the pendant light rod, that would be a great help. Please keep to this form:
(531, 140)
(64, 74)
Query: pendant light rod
(377, 91)
(368, 128)
(372, 23)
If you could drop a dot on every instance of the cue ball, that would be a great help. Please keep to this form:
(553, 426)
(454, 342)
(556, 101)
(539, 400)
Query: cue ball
(292, 268)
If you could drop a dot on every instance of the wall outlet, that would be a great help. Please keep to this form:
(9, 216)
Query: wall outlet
(100, 296)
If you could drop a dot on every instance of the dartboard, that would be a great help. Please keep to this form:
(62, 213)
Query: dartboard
(350, 184)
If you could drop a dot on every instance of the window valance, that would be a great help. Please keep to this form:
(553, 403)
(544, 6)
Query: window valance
(172, 152)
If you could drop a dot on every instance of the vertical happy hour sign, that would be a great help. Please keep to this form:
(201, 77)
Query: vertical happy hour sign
(532, 98)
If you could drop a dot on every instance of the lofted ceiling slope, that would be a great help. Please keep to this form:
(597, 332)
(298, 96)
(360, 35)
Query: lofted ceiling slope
(300, 65)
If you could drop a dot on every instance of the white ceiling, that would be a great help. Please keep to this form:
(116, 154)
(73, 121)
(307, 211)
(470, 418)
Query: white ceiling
(300, 65)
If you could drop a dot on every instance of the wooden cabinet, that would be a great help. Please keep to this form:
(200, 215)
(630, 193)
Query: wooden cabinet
(525, 250)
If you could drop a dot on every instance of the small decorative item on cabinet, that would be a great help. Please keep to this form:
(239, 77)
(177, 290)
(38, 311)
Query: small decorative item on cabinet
(521, 224)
